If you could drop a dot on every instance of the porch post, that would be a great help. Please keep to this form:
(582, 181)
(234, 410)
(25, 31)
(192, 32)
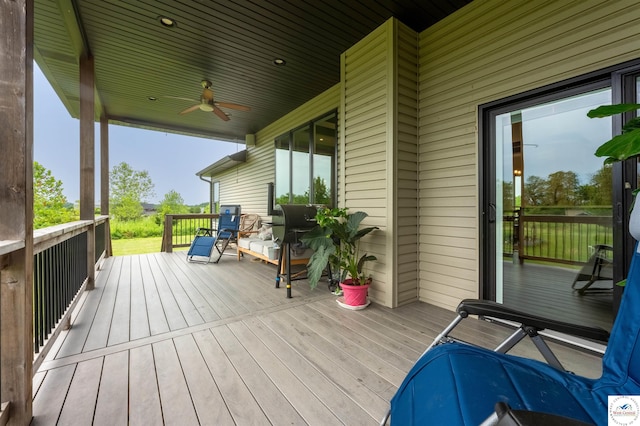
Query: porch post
(104, 178)
(16, 208)
(104, 165)
(87, 160)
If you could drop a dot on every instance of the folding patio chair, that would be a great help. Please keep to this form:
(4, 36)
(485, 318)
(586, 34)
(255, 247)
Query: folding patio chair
(206, 239)
(598, 268)
(455, 383)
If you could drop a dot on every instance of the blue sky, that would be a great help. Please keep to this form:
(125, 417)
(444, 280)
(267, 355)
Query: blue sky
(171, 160)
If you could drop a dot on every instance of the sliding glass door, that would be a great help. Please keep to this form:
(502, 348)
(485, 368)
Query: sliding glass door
(554, 209)
(554, 217)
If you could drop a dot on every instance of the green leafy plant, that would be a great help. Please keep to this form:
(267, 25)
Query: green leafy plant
(622, 146)
(335, 241)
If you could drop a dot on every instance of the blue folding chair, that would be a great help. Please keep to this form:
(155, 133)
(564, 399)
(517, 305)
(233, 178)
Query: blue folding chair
(454, 383)
(206, 239)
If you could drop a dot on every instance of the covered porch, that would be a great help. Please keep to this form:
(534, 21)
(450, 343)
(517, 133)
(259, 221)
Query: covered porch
(163, 341)
(155, 340)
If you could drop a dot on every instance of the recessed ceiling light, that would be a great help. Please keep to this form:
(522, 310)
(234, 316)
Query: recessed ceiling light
(166, 21)
(152, 98)
(279, 61)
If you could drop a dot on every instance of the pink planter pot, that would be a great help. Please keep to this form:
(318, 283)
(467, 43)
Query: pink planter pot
(354, 295)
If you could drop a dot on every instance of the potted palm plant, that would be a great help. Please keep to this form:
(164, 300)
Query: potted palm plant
(335, 241)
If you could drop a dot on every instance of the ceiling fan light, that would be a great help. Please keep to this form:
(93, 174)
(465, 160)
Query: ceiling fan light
(206, 107)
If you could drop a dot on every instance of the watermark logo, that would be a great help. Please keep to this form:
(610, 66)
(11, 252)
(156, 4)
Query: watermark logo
(624, 410)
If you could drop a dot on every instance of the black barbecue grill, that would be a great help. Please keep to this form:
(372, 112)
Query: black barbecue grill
(289, 225)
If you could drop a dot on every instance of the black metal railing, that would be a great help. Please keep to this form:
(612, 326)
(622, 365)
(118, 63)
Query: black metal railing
(101, 239)
(58, 274)
(61, 265)
(179, 229)
(567, 239)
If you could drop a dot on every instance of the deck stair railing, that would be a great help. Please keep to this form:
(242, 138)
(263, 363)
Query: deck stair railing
(179, 229)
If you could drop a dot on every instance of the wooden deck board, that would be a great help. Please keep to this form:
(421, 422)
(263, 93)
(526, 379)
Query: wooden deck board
(156, 317)
(99, 332)
(272, 402)
(187, 307)
(351, 351)
(396, 344)
(83, 321)
(225, 295)
(546, 290)
(326, 364)
(172, 311)
(144, 397)
(49, 400)
(241, 405)
(317, 346)
(372, 354)
(329, 398)
(218, 344)
(207, 291)
(113, 393)
(276, 368)
(177, 406)
(139, 326)
(182, 281)
(207, 400)
(77, 408)
(120, 321)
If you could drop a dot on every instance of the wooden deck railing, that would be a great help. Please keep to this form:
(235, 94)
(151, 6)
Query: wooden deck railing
(555, 238)
(179, 229)
(64, 265)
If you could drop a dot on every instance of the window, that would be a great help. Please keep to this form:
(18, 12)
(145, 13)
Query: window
(215, 196)
(306, 163)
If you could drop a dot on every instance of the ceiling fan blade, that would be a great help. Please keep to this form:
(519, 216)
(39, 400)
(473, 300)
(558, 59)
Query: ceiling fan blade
(190, 109)
(233, 106)
(217, 111)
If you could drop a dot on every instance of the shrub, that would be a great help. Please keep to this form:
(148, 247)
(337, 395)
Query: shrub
(142, 228)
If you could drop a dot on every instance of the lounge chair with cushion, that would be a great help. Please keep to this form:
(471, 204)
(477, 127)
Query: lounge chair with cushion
(455, 383)
(206, 239)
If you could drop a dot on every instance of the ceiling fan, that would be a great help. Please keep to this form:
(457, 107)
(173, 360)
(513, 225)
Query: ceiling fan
(208, 104)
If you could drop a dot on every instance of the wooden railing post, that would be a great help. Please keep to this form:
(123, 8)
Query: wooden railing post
(16, 210)
(168, 233)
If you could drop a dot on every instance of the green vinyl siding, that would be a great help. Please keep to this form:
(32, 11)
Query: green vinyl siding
(484, 52)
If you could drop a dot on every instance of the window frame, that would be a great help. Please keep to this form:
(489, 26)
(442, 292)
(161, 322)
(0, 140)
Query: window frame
(289, 136)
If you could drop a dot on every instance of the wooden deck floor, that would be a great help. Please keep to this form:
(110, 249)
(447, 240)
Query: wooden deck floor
(546, 290)
(162, 341)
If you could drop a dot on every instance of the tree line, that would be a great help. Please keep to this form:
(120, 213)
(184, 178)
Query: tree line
(128, 190)
(563, 188)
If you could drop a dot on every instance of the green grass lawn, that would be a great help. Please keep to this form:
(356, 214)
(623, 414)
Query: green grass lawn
(127, 246)
(123, 247)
